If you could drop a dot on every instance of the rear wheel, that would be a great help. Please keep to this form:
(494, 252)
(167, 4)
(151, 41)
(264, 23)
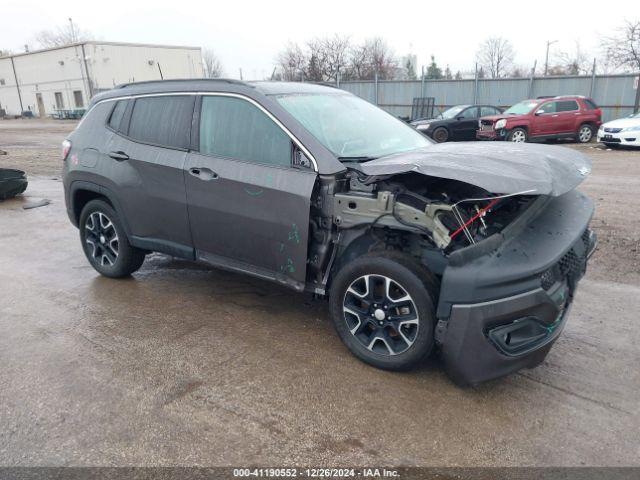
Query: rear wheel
(441, 134)
(517, 135)
(105, 242)
(585, 134)
(382, 307)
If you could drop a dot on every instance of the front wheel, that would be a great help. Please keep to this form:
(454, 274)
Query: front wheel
(105, 242)
(517, 135)
(382, 307)
(441, 135)
(585, 134)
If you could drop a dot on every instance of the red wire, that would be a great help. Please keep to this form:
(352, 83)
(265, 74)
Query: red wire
(474, 218)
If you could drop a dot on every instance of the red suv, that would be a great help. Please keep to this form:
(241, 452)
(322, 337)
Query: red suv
(543, 119)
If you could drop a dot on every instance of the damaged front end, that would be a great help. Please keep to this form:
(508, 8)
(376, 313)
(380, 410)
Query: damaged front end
(501, 226)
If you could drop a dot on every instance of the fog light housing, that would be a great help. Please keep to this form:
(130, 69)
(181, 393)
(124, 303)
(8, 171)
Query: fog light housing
(519, 336)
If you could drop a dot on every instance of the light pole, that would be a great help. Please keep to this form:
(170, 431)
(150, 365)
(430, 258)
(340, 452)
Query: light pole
(546, 57)
(73, 31)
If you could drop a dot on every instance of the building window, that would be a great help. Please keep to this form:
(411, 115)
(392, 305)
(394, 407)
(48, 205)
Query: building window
(59, 101)
(77, 97)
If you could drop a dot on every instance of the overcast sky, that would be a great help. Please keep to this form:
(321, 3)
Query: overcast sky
(248, 34)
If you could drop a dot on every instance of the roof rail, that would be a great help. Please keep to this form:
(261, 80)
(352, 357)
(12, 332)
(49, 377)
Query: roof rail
(177, 80)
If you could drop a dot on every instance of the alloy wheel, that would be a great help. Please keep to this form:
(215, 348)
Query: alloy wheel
(381, 314)
(518, 136)
(101, 236)
(585, 134)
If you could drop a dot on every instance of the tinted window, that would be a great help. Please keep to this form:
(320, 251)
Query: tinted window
(486, 111)
(566, 106)
(590, 104)
(117, 114)
(162, 120)
(234, 128)
(470, 113)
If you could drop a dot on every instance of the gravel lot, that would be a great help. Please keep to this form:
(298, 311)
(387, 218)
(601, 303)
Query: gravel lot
(186, 365)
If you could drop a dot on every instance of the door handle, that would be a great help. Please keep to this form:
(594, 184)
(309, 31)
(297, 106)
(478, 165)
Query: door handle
(119, 156)
(203, 173)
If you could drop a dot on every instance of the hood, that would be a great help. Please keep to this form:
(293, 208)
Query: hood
(494, 118)
(497, 167)
(623, 123)
(422, 121)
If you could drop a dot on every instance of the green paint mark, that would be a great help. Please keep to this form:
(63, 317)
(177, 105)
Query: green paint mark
(268, 180)
(294, 235)
(254, 193)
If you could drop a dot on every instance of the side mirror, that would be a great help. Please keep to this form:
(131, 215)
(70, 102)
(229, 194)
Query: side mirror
(459, 117)
(539, 112)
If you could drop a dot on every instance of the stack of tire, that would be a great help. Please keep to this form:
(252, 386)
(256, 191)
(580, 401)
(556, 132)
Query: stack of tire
(12, 183)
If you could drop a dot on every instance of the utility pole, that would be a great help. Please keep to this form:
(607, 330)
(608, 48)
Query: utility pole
(546, 57)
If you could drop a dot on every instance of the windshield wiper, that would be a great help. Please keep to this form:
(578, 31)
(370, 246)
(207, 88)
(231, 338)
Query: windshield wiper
(356, 159)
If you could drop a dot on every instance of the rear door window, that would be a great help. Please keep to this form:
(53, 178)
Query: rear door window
(235, 128)
(567, 106)
(163, 121)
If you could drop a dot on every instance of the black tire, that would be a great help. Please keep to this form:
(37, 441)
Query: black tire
(441, 134)
(518, 135)
(12, 183)
(376, 338)
(585, 133)
(105, 242)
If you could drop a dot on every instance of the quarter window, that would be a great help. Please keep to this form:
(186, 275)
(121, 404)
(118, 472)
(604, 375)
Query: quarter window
(234, 128)
(116, 115)
(590, 104)
(162, 121)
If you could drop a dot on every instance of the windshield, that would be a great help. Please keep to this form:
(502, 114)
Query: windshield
(350, 127)
(452, 112)
(521, 108)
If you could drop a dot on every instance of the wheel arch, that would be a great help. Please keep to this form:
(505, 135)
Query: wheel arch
(82, 192)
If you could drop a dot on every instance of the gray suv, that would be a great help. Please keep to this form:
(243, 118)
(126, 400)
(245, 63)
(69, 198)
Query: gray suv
(471, 250)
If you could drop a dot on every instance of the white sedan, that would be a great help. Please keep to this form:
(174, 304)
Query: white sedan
(624, 131)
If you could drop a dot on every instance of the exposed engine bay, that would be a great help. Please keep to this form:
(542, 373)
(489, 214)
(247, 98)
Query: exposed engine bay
(449, 213)
(408, 211)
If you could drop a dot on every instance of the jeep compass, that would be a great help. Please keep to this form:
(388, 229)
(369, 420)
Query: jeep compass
(473, 251)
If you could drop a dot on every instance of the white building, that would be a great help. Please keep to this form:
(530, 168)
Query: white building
(65, 78)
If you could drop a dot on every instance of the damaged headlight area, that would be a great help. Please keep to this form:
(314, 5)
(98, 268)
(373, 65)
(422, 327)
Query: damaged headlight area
(450, 214)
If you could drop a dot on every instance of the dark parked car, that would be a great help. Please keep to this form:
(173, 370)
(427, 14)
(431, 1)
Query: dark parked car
(456, 123)
(544, 119)
(474, 248)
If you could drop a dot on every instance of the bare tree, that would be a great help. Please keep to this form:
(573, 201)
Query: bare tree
(63, 35)
(4, 52)
(575, 62)
(623, 48)
(382, 58)
(212, 64)
(374, 55)
(335, 49)
(292, 62)
(496, 55)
